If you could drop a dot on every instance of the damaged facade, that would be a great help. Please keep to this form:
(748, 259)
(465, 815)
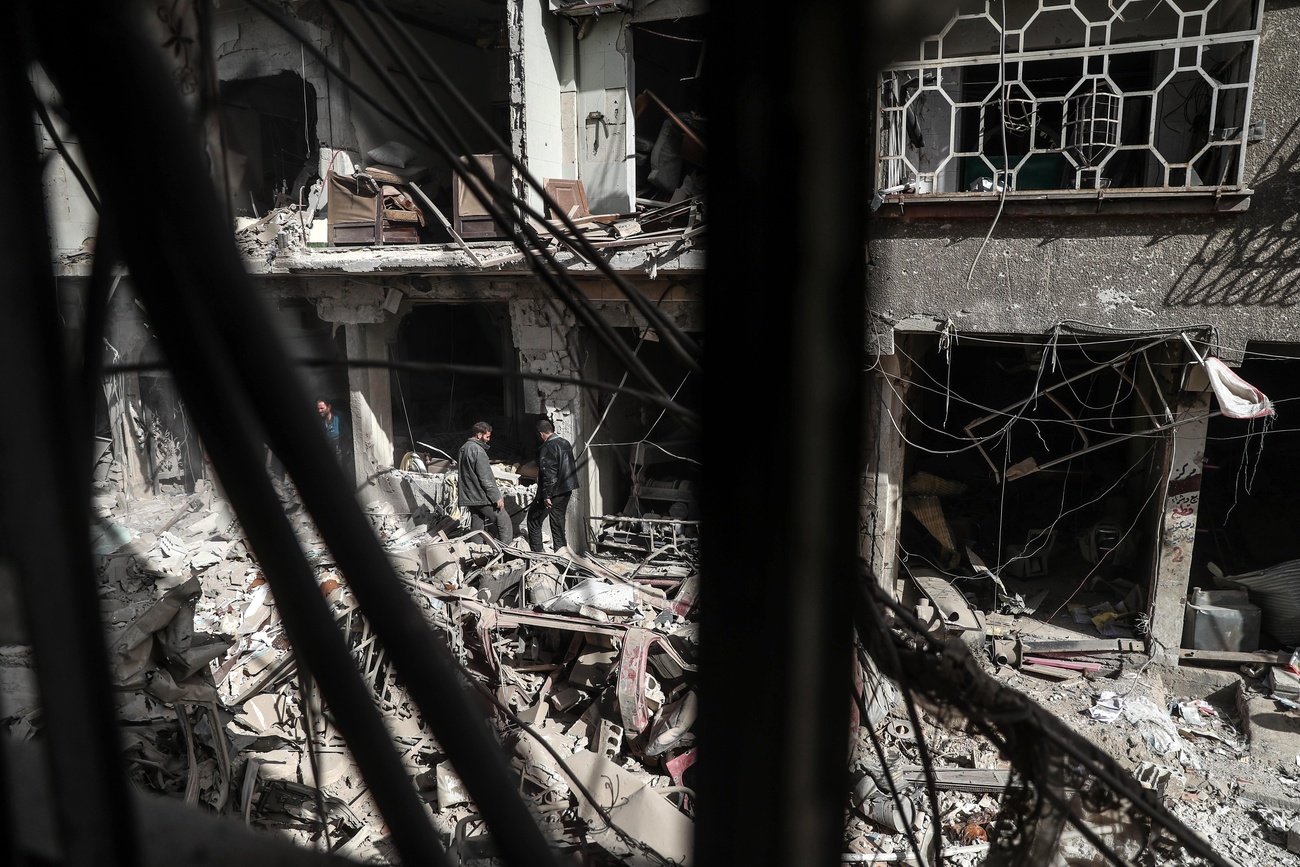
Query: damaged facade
(415, 311)
(1078, 325)
(371, 247)
(1082, 344)
(1080, 301)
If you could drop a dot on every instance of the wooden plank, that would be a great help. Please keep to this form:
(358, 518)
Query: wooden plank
(1063, 663)
(1050, 672)
(1234, 657)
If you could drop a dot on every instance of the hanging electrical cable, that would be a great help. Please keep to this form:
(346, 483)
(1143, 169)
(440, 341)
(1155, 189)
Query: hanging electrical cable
(677, 339)
(519, 230)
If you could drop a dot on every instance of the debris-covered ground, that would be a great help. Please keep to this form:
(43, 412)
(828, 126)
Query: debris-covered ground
(591, 660)
(1185, 735)
(594, 654)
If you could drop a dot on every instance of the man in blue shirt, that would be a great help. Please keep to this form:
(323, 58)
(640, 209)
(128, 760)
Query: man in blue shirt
(331, 422)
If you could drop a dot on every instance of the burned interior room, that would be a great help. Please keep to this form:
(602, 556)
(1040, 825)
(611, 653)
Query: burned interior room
(437, 408)
(1038, 461)
(669, 55)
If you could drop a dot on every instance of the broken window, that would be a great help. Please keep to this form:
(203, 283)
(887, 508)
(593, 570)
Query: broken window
(1038, 462)
(1041, 95)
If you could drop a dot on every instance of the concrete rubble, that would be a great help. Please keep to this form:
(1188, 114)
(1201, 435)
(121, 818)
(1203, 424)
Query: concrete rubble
(1217, 747)
(594, 655)
(596, 668)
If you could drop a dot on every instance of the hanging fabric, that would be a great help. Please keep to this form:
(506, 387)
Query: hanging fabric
(1237, 398)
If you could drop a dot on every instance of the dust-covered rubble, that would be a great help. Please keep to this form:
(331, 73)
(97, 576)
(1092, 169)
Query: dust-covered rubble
(593, 671)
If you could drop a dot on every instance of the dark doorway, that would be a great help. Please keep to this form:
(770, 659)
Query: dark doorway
(438, 408)
(269, 127)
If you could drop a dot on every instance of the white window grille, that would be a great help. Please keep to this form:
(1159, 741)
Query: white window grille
(1072, 95)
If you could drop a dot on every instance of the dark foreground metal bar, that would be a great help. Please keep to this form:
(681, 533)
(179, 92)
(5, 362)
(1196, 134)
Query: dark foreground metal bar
(235, 376)
(44, 513)
(786, 101)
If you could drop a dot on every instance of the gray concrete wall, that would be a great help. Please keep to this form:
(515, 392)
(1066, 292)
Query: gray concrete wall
(1239, 273)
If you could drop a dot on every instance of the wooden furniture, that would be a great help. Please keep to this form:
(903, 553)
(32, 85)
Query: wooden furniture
(469, 213)
(357, 214)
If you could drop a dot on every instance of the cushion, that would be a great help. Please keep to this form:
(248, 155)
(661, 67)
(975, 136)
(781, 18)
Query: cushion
(392, 153)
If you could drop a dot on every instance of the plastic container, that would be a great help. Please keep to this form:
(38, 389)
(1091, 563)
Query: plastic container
(1223, 620)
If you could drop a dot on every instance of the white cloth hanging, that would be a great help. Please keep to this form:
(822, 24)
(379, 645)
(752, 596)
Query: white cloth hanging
(1237, 398)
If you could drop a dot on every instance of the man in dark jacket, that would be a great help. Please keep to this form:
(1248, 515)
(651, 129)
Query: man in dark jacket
(557, 478)
(477, 488)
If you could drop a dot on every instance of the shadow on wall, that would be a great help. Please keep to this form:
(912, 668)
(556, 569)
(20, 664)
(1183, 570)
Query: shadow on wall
(1257, 263)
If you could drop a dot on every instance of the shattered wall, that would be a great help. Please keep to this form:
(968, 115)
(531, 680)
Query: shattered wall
(543, 122)
(247, 45)
(1238, 272)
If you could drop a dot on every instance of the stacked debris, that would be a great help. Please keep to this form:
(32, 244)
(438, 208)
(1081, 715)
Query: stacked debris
(590, 668)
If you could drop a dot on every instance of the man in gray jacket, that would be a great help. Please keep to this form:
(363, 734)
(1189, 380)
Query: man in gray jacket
(557, 478)
(477, 488)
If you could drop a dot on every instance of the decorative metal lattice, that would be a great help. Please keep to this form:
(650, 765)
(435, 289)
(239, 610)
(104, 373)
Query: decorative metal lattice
(1072, 95)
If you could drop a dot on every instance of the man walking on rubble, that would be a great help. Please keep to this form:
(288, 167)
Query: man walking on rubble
(557, 478)
(476, 488)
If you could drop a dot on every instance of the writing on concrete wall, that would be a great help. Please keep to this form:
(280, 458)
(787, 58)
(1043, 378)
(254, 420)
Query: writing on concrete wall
(1181, 504)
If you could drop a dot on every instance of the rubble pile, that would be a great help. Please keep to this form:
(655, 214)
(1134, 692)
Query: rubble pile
(591, 667)
(1217, 748)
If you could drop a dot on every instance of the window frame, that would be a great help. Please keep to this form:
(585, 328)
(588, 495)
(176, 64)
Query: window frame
(902, 182)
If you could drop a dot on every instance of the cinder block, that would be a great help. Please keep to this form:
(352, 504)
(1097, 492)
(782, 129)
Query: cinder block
(609, 740)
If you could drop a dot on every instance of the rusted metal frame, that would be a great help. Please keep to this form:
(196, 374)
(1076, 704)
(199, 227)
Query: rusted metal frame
(45, 512)
(631, 679)
(1047, 392)
(631, 673)
(498, 617)
(1162, 202)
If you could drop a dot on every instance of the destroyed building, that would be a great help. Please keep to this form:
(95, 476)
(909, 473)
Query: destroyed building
(1064, 344)
(519, 247)
(1082, 353)
(371, 246)
(1081, 304)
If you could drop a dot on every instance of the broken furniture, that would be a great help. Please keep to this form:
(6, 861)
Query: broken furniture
(644, 535)
(365, 209)
(569, 195)
(470, 214)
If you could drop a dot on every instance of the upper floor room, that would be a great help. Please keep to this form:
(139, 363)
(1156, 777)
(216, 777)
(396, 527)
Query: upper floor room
(431, 128)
